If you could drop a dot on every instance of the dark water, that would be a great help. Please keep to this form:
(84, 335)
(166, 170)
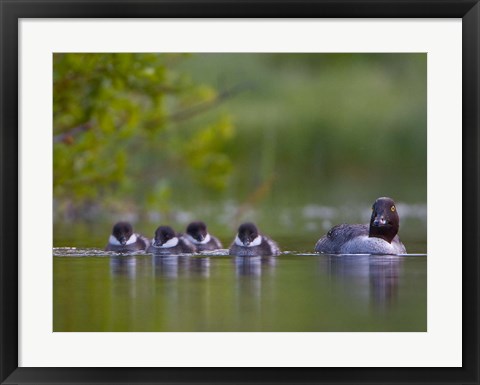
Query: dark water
(291, 292)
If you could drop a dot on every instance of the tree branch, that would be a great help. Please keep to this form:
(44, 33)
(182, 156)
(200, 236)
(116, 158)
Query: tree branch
(69, 136)
(202, 107)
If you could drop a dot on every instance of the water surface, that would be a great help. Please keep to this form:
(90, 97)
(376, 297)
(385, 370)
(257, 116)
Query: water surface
(293, 292)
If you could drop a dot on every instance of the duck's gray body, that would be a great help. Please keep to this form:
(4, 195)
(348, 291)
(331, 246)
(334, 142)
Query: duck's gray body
(182, 247)
(198, 235)
(167, 242)
(212, 244)
(267, 247)
(379, 237)
(355, 239)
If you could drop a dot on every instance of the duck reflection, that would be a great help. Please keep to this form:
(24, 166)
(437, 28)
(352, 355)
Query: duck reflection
(384, 280)
(130, 276)
(166, 266)
(174, 266)
(374, 278)
(200, 266)
(129, 266)
(253, 266)
(252, 274)
(183, 291)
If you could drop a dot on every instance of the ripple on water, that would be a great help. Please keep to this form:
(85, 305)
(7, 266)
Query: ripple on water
(89, 252)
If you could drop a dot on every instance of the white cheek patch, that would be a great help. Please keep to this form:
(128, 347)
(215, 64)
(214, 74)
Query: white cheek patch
(114, 241)
(256, 242)
(238, 242)
(193, 240)
(170, 243)
(132, 239)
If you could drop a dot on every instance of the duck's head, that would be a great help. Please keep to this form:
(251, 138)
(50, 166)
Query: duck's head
(163, 234)
(122, 231)
(247, 233)
(197, 230)
(384, 222)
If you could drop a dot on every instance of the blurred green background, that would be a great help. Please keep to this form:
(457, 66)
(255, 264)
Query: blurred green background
(295, 142)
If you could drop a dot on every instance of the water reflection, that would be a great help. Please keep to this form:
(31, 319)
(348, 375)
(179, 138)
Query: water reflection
(173, 266)
(131, 283)
(165, 266)
(200, 266)
(253, 265)
(384, 280)
(373, 280)
(254, 287)
(131, 267)
(224, 293)
(248, 271)
(181, 279)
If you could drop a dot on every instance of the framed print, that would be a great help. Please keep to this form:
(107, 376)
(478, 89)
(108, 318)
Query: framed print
(223, 192)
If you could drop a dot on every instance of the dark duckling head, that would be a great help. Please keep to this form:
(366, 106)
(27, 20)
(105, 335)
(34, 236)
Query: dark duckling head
(247, 233)
(197, 230)
(122, 231)
(384, 222)
(162, 235)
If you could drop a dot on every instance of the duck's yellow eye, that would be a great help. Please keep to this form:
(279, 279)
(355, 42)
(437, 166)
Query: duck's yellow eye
(392, 208)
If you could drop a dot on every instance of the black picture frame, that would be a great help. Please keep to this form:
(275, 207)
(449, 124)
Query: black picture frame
(11, 11)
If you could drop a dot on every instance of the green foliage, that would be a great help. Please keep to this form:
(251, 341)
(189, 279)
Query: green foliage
(205, 153)
(332, 128)
(114, 128)
(137, 133)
